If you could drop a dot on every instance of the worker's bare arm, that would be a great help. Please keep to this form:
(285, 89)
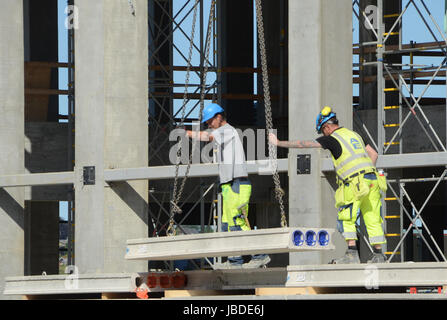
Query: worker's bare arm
(200, 135)
(299, 144)
(372, 153)
(293, 144)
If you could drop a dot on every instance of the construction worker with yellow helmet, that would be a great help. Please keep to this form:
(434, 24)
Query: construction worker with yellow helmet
(359, 184)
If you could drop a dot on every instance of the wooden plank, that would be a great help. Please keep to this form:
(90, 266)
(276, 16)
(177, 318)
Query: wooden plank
(288, 291)
(118, 295)
(36, 78)
(200, 293)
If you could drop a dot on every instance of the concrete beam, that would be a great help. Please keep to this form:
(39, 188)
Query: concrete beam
(71, 284)
(398, 161)
(37, 179)
(128, 174)
(260, 167)
(368, 275)
(196, 171)
(191, 246)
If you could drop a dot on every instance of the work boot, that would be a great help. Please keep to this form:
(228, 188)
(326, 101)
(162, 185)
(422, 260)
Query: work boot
(351, 257)
(257, 263)
(228, 265)
(377, 258)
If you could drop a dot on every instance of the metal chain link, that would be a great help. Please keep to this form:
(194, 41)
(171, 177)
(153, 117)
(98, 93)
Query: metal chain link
(176, 196)
(279, 192)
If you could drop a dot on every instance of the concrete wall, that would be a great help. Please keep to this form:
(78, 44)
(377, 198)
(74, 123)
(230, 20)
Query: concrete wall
(11, 138)
(111, 131)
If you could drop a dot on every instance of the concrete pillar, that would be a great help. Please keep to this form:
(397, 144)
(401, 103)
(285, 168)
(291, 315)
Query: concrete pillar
(11, 138)
(111, 131)
(320, 60)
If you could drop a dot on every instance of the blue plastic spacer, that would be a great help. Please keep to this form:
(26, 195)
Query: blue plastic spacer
(311, 238)
(298, 238)
(323, 238)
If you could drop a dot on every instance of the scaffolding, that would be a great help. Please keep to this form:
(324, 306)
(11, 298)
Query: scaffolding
(381, 64)
(172, 99)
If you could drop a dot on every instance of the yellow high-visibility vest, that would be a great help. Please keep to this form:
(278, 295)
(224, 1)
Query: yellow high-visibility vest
(354, 157)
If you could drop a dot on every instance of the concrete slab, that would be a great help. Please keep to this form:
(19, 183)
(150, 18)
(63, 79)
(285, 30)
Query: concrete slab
(274, 240)
(368, 275)
(71, 284)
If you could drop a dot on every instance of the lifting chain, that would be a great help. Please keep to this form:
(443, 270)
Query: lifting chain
(175, 209)
(279, 192)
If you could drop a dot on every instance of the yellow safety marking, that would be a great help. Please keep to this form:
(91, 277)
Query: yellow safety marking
(392, 33)
(380, 46)
(391, 125)
(391, 107)
(392, 235)
(390, 199)
(390, 89)
(392, 143)
(394, 15)
(389, 252)
(392, 217)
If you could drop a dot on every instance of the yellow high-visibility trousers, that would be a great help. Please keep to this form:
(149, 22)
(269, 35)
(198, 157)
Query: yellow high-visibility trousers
(231, 201)
(369, 206)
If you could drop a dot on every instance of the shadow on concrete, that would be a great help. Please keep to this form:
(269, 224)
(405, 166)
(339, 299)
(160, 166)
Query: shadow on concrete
(132, 198)
(14, 209)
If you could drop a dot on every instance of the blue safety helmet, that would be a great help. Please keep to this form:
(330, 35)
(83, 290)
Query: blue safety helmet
(210, 111)
(324, 116)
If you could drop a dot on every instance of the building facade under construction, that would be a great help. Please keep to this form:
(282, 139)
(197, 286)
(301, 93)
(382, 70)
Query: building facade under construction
(136, 70)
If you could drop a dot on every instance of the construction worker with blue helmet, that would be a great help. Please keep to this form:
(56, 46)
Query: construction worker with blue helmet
(323, 117)
(210, 111)
(235, 185)
(359, 184)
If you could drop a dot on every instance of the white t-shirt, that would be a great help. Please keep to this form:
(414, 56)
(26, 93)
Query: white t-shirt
(229, 153)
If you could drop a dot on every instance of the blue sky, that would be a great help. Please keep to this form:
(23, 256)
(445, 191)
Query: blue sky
(414, 29)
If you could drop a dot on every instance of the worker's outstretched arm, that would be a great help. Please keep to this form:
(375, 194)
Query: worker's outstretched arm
(200, 135)
(293, 144)
(372, 154)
